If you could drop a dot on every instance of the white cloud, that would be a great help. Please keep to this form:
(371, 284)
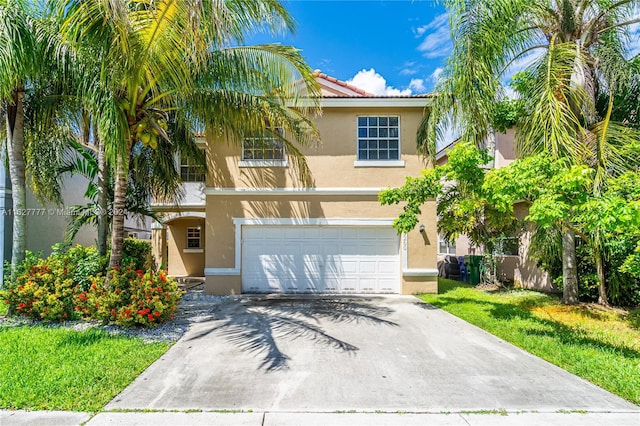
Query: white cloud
(435, 75)
(372, 82)
(437, 42)
(409, 68)
(417, 85)
(438, 21)
(634, 36)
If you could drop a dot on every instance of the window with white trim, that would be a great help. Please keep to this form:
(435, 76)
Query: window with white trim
(190, 172)
(445, 246)
(267, 147)
(193, 237)
(379, 138)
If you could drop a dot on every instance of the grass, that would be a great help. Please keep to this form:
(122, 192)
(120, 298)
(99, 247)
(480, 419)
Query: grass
(598, 344)
(44, 368)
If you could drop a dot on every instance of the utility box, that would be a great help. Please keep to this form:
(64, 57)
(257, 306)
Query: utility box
(473, 268)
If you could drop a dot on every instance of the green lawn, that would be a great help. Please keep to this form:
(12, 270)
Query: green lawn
(44, 368)
(599, 345)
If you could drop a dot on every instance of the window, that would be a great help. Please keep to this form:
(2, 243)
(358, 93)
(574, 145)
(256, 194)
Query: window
(507, 246)
(266, 147)
(379, 138)
(190, 172)
(193, 237)
(446, 247)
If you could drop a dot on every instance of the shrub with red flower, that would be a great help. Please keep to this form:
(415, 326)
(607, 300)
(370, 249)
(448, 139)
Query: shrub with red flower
(131, 297)
(41, 293)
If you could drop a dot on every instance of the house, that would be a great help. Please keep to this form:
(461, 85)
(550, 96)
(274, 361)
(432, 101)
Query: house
(252, 225)
(513, 262)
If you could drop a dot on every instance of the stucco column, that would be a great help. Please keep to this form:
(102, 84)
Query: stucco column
(159, 244)
(6, 218)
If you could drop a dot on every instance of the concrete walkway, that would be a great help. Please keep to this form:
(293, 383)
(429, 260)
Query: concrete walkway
(345, 361)
(53, 418)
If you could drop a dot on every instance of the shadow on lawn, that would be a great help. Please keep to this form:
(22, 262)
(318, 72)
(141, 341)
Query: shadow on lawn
(254, 323)
(542, 327)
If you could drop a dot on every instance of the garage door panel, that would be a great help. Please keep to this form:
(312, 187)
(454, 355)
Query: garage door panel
(320, 259)
(387, 267)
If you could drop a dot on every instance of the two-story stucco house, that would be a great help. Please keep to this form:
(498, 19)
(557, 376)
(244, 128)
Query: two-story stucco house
(252, 226)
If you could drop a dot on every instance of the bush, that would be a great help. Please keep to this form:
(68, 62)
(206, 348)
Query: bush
(41, 293)
(82, 263)
(70, 283)
(137, 254)
(132, 297)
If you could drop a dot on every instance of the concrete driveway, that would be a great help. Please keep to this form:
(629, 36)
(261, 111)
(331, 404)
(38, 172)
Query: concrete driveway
(328, 354)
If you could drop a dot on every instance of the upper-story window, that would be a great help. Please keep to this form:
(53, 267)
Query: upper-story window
(378, 138)
(263, 150)
(190, 172)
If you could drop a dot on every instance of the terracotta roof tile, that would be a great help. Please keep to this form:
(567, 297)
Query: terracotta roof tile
(320, 74)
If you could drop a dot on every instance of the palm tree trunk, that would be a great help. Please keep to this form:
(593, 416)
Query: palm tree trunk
(15, 149)
(602, 288)
(117, 227)
(569, 270)
(103, 179)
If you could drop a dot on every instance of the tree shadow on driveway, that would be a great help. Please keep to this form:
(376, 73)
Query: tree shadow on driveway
(253, 323)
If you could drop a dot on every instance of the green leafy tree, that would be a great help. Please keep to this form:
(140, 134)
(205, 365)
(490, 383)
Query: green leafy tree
(562, 196)
(157, 57)
(580, 46)
(462, 205)
(23, 55)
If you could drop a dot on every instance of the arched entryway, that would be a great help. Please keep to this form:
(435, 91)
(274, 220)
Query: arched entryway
(179, 243)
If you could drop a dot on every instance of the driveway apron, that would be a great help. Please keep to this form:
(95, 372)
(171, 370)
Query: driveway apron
(340, 353)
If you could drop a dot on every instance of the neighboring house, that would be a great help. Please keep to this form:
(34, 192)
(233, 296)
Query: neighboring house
(513, 263)
(253, 226)
(46, 223)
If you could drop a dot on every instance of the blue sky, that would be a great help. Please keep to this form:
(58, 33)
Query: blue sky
(387, 47)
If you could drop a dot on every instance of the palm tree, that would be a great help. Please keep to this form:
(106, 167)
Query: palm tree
(28, 52)
(575, 50)
(151, 54)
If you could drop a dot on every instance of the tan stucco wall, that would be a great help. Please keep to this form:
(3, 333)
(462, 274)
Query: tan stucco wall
(418, 285)
(221, 286)
(181, 263)
(221, 210)
(505, 148)
(331, 163)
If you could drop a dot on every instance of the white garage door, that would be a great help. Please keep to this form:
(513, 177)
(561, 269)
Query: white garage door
(320, 259)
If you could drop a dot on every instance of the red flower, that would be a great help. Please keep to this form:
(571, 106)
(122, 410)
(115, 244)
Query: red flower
(139, 272)
(113, 313)
(156, 314)
(150, 317)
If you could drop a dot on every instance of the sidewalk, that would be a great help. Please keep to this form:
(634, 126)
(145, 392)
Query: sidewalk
(61, 418)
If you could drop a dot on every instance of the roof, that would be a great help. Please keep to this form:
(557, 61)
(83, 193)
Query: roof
(332, 87)
(328, 85)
